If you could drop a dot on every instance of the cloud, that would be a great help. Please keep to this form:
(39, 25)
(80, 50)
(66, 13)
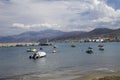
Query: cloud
(32, 26)
(66, 15)
(22, 26)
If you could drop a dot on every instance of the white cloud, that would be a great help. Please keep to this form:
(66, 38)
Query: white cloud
(19, 25)
(64, 15)
(36, 26)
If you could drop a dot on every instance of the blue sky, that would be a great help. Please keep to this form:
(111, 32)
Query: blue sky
(17, 16)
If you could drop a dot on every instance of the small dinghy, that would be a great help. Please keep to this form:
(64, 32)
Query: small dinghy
(31, 50)
(101, 47)
(54, 46)
(37, 55)
(89, 51)
(73, 45)
(54, 51)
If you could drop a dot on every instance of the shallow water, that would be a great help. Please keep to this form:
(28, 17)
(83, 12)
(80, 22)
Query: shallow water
(15, 60)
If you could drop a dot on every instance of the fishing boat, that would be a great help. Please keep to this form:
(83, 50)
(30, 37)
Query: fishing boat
(89, 51)
(101, 47)
(73, 45)
(37, 55)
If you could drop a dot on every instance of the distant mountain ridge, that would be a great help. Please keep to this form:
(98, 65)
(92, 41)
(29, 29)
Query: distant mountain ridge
(98, 32)
(32, 36)
(53, 35)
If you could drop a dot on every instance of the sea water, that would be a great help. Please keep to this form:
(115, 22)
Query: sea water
(15, 60)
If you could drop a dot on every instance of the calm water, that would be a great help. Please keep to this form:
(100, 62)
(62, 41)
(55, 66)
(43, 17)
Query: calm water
(15, 60)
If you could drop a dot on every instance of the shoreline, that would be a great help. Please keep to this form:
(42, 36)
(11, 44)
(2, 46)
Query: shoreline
(64, 75)
(99, 76)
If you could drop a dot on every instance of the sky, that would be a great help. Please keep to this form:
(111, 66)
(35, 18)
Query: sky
(18, 16)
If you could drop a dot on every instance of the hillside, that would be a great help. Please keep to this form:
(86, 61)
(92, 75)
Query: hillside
(54, 35)
(98, 32)
(32, 36)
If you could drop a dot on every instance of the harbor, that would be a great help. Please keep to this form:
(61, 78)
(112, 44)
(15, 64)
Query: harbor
(66, 58)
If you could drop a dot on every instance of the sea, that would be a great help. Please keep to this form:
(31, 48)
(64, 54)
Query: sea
(15, 60)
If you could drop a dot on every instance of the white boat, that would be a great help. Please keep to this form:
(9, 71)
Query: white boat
(54, 51)
(37, 55)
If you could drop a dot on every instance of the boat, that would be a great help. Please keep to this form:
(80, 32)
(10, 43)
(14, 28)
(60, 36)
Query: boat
(54, 46)
(54, 51)
(34, 50)
(89, 51)
(41, 48)
(100, 45)
(90, 48)
(37, 55)
(101, 49)
(31, 50)
(73, 45)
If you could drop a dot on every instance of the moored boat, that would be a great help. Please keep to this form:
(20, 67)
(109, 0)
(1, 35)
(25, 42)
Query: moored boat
(37, 55)
(101, 49)
(100, 45)
(89, 51)
(54, 51)
(31, 50)
(73, 45)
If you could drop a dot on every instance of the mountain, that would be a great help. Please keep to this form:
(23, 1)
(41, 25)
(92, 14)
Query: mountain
(105, 32)
(53, 35)
(33, 36)
(98, 32)
(71, 35)
(114, 33)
